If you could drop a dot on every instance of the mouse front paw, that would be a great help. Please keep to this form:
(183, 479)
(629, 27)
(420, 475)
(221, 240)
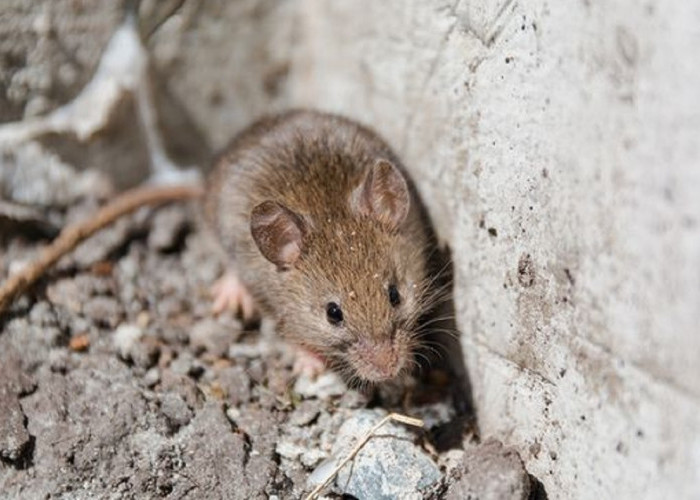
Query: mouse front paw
(230, 293)
(308, 363)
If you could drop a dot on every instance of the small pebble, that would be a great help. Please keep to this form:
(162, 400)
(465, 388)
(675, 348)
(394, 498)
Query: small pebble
(325, 386)
(211, 336)
(167, 227)
(305, 413)
(311, 458)
(152, 377)
(490, 471)
(236, 384)
(125, 339)
(175, 410)
(249, 351)
(289, 450)
(79, 343)
(183, 364)
(321, 473)
(104, 311)
(233, 414)
(145, 353)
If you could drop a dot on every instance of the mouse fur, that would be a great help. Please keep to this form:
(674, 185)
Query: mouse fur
(314, 210)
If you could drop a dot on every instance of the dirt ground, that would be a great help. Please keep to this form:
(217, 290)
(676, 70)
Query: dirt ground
(117, 382)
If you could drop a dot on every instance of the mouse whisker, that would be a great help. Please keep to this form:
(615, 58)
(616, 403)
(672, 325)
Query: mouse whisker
(436, 349)
(435, 295)
(422, 338)
(437, 319)
(431, 301)
(425, 358)
(441, 273)
(413, 366)
(453, 334)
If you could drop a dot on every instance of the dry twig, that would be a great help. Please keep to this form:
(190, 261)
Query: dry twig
(74, 234)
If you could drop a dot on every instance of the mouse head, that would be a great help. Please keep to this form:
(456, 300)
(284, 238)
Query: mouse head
(353, 274)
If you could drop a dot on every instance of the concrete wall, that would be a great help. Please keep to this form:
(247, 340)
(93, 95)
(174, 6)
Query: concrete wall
(557, 146)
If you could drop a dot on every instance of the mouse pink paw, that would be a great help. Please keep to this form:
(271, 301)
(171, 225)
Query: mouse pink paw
(308, 363)
(230, 293)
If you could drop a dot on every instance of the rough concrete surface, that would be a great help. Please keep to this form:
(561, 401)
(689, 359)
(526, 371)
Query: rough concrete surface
(554, 143)
(49, 50)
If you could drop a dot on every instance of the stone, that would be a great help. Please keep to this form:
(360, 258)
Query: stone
(152, 377)
(175, 410)
(183, 364)
(104, 311)
(145, 353)
(66, 292)
(167, 228)
(289, 449)
(389, 465)
(304, 413)
(212, 336)
(570, 210)
(235, 382)
(126, 339)
(327, 385)
(14, 437)
(490, 471)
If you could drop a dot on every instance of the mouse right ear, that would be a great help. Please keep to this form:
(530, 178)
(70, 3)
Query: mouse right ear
(278, 232)
(383, 194)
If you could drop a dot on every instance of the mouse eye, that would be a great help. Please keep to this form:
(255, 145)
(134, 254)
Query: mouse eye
(334, 313)
(394, 297)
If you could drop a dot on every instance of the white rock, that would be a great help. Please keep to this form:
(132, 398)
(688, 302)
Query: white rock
(325, 386)
(388, 466)
(125, 338)
(289, 450)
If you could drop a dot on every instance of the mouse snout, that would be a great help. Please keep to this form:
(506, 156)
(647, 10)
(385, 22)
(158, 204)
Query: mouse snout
(377, 360)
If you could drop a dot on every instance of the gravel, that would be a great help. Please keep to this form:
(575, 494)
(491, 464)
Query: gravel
(117, 382)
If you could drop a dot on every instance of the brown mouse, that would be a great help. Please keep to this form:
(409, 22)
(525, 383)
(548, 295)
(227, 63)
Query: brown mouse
(322, 230)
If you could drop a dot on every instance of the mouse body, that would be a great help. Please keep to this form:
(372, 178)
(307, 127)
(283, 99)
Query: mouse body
(323, 231)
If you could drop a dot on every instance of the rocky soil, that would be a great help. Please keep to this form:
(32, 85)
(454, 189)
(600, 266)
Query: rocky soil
(117, 382)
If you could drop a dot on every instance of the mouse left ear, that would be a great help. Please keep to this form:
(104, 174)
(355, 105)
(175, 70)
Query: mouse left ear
(383, 194)
(278, 232)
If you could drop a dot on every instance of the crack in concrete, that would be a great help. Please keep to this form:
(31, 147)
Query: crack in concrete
(432, 69)
(495, 27)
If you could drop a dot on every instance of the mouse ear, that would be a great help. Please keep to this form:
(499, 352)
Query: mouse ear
(278, 232)
(383, 194)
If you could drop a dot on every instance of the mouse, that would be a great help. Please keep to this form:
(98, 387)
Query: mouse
(323, 231)
(320, 228)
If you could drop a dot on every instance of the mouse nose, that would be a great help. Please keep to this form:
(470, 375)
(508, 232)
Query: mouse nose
(387, 371)
(385, 359)
(376, 361)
